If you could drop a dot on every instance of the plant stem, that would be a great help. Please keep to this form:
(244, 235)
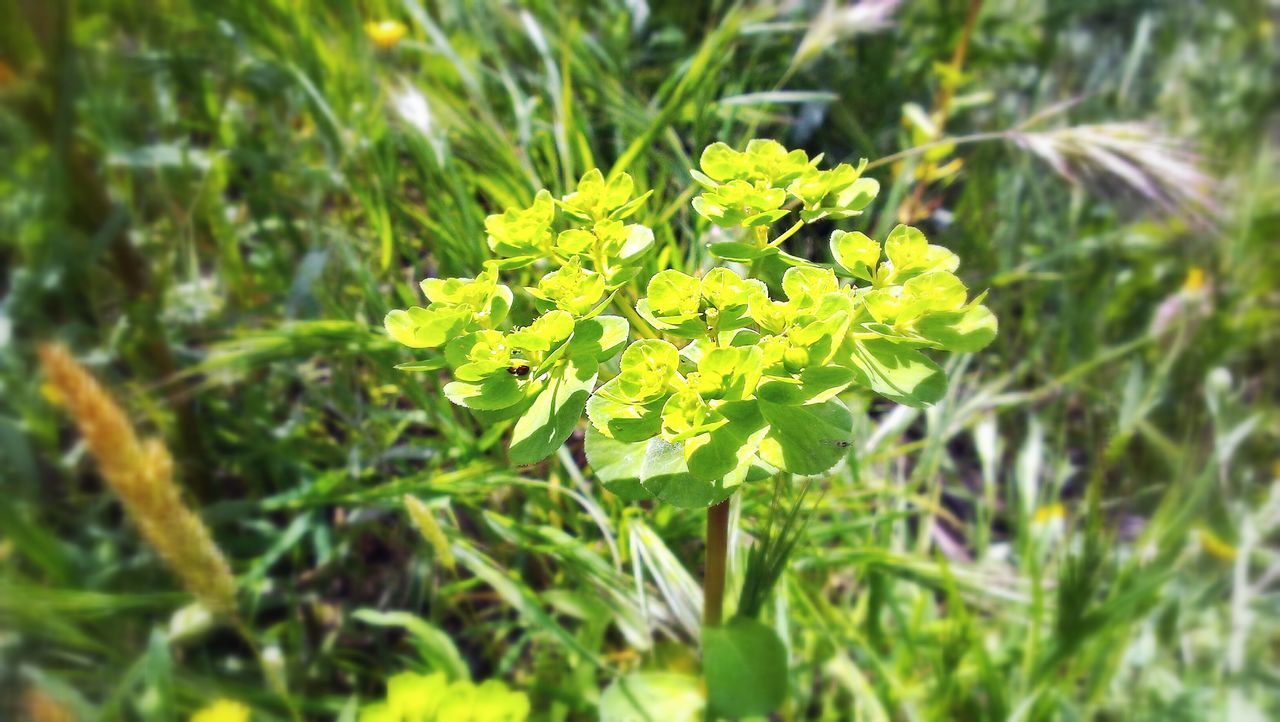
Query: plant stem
(717, 555)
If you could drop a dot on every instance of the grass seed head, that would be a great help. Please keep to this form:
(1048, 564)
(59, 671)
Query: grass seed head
(141, 474)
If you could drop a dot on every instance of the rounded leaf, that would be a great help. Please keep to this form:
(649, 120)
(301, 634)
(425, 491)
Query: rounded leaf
(897, 372)
(428, 327)
(653, 697)
(745, 663)
(805, 439)
(617, 464)
(553, 415)
(964, 331)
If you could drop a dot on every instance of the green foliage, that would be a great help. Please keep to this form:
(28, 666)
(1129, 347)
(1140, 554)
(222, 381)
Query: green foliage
(540, 374)
(755, 386)
(746, 668)
(768, 557)
(653, 696)
(216, 205)
(753, 390)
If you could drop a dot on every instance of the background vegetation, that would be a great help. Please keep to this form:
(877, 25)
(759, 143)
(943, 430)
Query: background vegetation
(214, 204)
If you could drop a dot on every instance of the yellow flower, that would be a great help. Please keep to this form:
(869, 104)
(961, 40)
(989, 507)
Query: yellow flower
(385, 34)
(223, 710)
(1195, 280)
(1049, 513)
(1215, 546)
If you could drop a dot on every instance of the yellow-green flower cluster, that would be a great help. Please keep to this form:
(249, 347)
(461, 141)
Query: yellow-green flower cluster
(432, 698)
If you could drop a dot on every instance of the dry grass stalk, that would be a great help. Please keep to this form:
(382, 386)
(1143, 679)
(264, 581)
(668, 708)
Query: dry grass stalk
(141, 474)
(1161, 168)
(40, 707)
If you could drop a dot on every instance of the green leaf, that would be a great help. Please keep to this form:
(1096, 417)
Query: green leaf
(745, 664)
(935, 291)
(499, 391)
(764, 218)
(514, 262)
(623, 419)
(722, 163)
(599, 337)
(553, 415)
(544, 333)
(855, 252)
(897, 372)
(629, 209)
(738, 251)
(858, 194)
(815, 385)
(428, 327)
(911, 254)
(617, 465)
(434, 646)
(653, 697)
(725, 454)
(665, 474)
(687, 326)
(790, 260)
(430, 364)
(805, 438)
(964, 331)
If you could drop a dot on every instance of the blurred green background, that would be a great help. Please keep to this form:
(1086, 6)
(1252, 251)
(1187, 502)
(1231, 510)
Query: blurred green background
(215, 203)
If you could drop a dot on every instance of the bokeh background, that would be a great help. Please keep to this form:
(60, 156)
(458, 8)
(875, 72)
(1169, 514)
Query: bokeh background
(213, 204)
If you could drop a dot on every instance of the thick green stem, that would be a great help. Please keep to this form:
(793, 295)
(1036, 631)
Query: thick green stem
(717, 556)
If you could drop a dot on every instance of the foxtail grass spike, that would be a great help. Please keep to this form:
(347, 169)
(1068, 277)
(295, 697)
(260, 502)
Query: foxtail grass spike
(40, 707)
(141, 474)
(430, 530)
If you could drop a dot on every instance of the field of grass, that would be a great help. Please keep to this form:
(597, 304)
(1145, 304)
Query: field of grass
(214, 204)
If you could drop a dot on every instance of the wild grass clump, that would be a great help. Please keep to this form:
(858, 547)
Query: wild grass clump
(222, 201)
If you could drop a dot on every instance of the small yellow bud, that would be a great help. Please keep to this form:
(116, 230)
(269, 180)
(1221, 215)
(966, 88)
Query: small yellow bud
(223, 710)
(795, 359)
(1215, 546)
(385, 34)
(1195, 280)
(1049, 513)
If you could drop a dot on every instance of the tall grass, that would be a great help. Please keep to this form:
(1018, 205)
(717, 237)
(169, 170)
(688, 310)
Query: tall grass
(214, 204)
